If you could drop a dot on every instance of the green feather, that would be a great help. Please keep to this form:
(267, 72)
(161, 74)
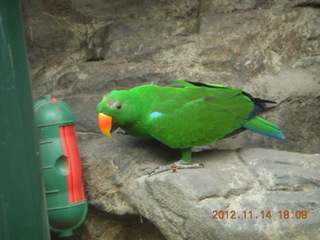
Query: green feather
(186, 154)
(264, 127)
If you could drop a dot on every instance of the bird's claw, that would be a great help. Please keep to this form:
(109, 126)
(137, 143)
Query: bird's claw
(150, 172)
(174, 167)
(158, 170)
(120, 131)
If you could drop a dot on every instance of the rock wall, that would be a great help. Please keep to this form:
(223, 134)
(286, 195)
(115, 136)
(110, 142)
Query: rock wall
(80, 49)
(182, 205)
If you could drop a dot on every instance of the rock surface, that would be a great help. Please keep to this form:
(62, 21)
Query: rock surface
(181, 205)
(78, 50)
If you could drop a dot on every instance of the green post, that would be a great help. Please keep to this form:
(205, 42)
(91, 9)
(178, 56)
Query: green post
(23, 212)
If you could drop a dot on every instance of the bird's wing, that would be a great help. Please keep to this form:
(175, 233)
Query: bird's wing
(201, 121)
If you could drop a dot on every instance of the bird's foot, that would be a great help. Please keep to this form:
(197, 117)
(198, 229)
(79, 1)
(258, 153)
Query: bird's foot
(120, 131)
(177, 165)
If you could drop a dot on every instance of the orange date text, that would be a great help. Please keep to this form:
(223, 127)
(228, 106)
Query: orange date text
(249, 214)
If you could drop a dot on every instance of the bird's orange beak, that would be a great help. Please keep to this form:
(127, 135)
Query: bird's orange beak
(105, 123)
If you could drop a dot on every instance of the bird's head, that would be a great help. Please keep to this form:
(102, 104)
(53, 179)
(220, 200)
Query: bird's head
(118, 108)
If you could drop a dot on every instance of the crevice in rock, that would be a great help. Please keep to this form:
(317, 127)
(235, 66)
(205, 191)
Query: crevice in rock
(95, 59)
(312, 4)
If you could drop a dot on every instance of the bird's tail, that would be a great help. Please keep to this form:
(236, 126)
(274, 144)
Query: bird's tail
(264, 127)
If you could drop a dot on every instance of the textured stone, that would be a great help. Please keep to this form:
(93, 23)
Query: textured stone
(181, 205)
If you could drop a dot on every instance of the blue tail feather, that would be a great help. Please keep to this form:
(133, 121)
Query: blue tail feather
(264, 127)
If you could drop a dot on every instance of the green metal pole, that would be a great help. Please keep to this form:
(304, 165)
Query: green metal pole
(23, 212)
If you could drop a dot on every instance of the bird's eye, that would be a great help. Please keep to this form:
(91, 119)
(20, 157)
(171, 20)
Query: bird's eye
(119, 106)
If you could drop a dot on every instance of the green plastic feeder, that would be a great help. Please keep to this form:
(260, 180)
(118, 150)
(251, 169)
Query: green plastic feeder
(61, 165)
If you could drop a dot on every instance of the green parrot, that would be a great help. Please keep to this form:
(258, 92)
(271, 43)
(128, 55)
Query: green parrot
(191, 114)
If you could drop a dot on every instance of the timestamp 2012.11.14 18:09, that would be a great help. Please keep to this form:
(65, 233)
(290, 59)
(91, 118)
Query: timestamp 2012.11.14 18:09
(249, 214)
